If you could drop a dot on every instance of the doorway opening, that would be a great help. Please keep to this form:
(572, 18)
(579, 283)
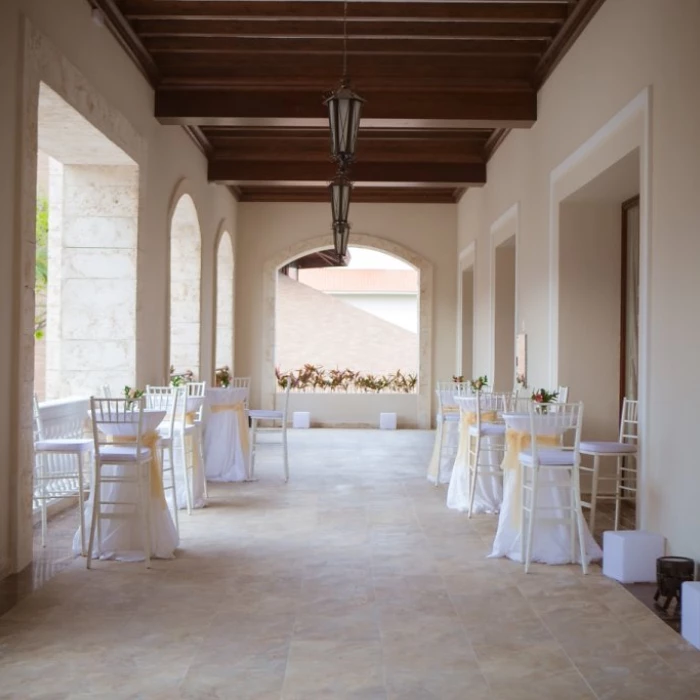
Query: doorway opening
(85, 302)
(467, 344)
(599, 306)
(504, 286)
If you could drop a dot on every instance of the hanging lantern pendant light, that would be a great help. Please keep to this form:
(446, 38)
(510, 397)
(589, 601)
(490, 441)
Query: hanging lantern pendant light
(341, 234)
(340, 190)
(344, 112)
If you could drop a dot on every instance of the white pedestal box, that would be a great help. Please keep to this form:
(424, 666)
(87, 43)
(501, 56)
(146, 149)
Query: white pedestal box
(629, 556)
(301, 419)
(387, 421)
(690, 612)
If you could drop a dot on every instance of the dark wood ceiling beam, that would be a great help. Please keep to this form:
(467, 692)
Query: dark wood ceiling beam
(221, 135)
(382, 195)
(124, 33)
(523, 11)
(330, 29)
(245, 172)
(377, 46)
(366, 71)
(465, 109)
(581, 14)
(317, 149)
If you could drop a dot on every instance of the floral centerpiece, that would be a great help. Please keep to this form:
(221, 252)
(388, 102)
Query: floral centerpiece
(223, 376)
(479, 383)
(458, 379)
(544, 396)
(182, 378)
(132, 395)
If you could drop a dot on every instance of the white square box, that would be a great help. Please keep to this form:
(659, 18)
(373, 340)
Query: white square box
(690, 612)
(387, 421)
(301, 419)
(629, 556)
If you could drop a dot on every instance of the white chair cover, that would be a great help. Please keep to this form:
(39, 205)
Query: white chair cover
(224, 456)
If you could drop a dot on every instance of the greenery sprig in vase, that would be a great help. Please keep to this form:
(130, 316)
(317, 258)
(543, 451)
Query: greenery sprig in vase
(132, 395)
(543, 398)
(222, 376)
(479, 383)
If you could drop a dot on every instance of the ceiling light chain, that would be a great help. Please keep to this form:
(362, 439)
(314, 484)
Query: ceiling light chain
(344, 112)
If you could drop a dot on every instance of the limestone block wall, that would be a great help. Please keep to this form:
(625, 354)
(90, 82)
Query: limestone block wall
(91, 300)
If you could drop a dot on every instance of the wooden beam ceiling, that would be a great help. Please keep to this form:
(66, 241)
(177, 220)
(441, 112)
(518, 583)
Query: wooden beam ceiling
(444, 84)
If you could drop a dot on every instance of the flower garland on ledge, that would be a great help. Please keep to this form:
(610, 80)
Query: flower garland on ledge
(317, 379)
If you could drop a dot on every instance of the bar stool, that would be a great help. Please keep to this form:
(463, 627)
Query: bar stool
(167, 398)
(447, 415)
(564, 418)
(486, 439)
(131, 466)
(275, 417)
(625, 475)
(46, 481)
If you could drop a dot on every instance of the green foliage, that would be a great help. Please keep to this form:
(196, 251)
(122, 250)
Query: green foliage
(316, 378)
(42, 263)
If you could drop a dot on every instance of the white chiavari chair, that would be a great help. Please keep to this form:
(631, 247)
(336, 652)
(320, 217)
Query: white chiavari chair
(199, 390)
(167, 398)
(50, 483)
(486, 438)
(130, 462)
(279, 426)
(565, 461)
(625, 477)
(447, 415)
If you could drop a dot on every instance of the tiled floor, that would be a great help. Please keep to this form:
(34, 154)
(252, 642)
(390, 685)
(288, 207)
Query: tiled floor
(352, 581)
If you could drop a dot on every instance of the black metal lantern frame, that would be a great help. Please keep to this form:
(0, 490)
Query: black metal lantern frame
(344, 112)
(340, 190)
(341, 235)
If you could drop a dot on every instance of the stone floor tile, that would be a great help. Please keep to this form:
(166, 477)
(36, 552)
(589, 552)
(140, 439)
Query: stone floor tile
(351, 582)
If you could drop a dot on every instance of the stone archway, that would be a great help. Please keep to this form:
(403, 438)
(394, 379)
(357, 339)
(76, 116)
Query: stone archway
(361, 240)
(185, 284)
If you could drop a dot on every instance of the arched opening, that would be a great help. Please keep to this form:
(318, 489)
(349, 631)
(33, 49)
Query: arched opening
(224, 302)
(185, 283)
(421, 399)
(359, 318)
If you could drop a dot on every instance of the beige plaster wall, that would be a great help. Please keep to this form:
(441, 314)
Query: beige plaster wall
(598, 78)
(264, 229)
(58, 43)
(589, 312)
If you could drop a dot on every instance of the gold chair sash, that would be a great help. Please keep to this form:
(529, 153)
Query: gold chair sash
(516, 442)
(149, 440)
(467, 418)
(239, 408)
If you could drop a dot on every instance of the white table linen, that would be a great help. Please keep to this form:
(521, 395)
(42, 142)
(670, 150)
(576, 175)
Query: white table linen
(194, 403)
(551, 540)
(488, 494)
(122, 539)
(225, 456)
